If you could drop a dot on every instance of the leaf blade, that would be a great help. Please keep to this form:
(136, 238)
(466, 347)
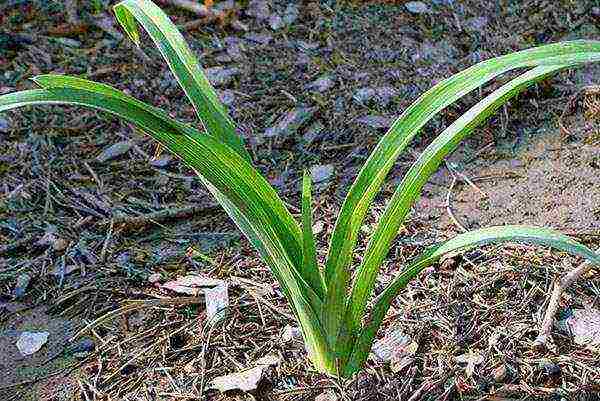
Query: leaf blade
(462, 242)
(184, 66)
(381, 160)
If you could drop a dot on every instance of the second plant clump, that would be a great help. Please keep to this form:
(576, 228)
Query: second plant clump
(329, 301)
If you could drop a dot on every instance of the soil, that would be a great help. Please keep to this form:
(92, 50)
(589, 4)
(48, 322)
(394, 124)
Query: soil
(63, 180)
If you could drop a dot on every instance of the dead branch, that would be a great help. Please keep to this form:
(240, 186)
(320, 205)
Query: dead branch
(128, 222)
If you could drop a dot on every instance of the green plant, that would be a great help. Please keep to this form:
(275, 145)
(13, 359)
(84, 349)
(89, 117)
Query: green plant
(330, 304)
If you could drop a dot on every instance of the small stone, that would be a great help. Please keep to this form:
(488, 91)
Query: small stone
(114, 151)
(318, 227)
(290, 122)
(321, 172)
(60, 244)
(550, 368)
(322, 84)
(276, 22)
(393, 343)
(227, 97)
(224, 5)
(4, 126)
(500, 373)
(290, 15)
(307, 46)
(85, 345)
(385, 95)
(417, 7)
(30, 342)
(220, 76)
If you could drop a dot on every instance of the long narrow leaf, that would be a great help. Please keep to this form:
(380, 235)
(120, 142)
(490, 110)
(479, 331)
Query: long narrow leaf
(274, 231)
(381, 160)
(309, 273)
(309, 253)
(462, 242)
(410, 188)
(183, 64)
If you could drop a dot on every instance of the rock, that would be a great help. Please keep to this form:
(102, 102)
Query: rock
(4, 126)
(220, 76)
(321, 84)
(321, 172)
(258, 9)
(550, 368)
(114, 151)
(376, 121)
(227, 97)
(417, 7)
(291, 13)
(30, 342)
(276, 22)
(290, 122)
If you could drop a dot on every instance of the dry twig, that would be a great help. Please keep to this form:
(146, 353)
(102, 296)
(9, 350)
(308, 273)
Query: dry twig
(559, 287)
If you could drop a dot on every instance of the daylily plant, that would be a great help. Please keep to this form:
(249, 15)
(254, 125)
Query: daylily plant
(330, 300)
